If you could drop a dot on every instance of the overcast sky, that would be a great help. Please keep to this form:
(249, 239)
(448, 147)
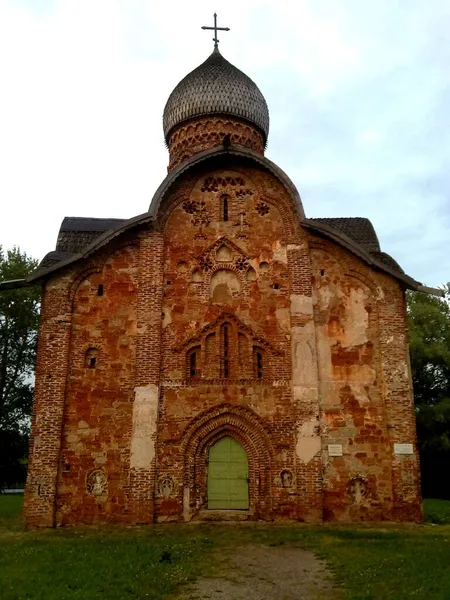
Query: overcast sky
(358, 93)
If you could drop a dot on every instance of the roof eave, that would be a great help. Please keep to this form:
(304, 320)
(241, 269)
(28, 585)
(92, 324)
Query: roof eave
(96, 244)
(14, 284)
(346, 242)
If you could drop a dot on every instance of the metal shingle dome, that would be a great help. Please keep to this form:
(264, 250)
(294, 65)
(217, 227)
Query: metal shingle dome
(216, 87)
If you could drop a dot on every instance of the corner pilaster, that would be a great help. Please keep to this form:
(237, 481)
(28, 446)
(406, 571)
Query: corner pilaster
(49, 401)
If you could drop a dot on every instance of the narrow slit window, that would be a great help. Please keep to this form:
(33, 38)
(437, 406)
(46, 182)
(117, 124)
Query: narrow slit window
(242, 350)
(210, 348)
(259, 365)
(193, 362)
(100, 289)
(258, 360)
(224, 200)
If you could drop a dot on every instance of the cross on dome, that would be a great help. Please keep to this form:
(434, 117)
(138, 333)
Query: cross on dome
(216, 29)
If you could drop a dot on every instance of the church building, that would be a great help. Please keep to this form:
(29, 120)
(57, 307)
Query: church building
(221, 356)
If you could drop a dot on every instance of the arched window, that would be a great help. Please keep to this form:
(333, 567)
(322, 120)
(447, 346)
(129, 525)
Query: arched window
(225, 331)
(210, 348)
(90, 358)
(193, 359)
(258, 358)
(242, 350)
(224, 206)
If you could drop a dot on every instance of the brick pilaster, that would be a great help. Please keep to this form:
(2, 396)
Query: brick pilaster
(148, 365)
(398, 395)
(48, 408)
(305, 385)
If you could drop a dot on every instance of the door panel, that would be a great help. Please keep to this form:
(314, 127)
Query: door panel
(228, 476)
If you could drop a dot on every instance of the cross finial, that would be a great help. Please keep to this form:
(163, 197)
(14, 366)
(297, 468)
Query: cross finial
(216, 29)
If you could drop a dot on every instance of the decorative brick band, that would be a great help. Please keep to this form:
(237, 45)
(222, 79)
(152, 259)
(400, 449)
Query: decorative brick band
(200, 134)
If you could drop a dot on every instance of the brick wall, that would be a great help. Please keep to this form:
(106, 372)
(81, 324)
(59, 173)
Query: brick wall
(365, 390)
(48, 408)
(95, 454)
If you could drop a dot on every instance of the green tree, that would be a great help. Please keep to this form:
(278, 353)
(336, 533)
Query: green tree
(19, 317)
(429, 327)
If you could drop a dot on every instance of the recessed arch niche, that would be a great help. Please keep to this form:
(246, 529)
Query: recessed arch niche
(223, 286)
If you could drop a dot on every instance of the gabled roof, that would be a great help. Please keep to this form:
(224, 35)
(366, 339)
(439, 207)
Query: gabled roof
(80, 237)
(359, 229)
(357, 234)
(76, 233)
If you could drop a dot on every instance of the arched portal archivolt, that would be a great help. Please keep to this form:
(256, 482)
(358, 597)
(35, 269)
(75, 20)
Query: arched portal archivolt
(208, 428)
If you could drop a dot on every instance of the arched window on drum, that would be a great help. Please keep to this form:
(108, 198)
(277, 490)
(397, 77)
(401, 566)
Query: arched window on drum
(224, 207)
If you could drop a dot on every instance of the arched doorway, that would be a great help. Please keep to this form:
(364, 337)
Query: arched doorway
(228, 476)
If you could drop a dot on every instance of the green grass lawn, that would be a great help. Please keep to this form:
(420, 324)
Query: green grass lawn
(388, 562)
(437, 511)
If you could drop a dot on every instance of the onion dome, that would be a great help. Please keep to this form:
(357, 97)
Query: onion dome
(216, 87)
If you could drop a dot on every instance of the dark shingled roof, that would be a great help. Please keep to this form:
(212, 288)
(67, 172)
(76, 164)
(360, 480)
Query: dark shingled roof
(53, 257)
(216, 87)
(361, 231)
(358, 228)
(387, 260)
(76, 233)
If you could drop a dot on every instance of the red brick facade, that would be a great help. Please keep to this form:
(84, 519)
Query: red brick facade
(133, 385)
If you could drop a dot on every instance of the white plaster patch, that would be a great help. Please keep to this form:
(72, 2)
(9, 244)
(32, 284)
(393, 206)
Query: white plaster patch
(356, 319)
(145, 410)
(282, 316)
(186, 506)
(301, 305)
(308, 442)
(307, 395)
(324, 353)
(167, 318)
(359, 390)
(224, 285)
(327, 295)
(304, 366)
(279, 252)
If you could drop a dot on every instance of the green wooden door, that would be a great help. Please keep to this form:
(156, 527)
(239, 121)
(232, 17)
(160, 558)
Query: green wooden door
(228, 475)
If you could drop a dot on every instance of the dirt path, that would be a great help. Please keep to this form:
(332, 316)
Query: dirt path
(265, 573)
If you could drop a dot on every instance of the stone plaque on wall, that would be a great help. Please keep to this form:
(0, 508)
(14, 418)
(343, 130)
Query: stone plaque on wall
(403, 449)
(334, 449)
